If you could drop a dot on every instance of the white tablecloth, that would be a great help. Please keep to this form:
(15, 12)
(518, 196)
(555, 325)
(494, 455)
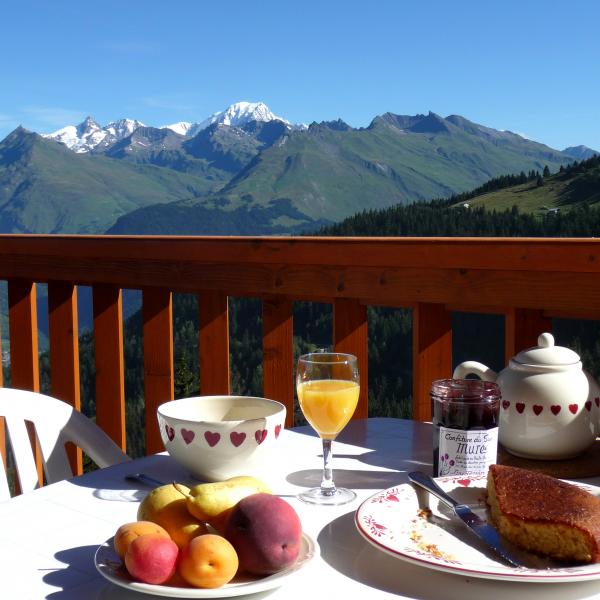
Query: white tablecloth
(49, 536)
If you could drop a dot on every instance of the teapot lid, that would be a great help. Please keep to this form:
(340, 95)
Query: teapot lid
(546, 353)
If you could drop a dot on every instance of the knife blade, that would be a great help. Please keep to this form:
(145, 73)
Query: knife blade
(483, 530)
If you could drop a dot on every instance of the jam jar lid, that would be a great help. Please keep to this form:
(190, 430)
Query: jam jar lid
(465, 390)
(546, 353)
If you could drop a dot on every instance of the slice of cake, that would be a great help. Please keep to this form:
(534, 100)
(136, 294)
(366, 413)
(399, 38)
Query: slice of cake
(544, 515)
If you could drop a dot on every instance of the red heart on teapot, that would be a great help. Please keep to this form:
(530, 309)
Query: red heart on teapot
(277, 431)
(212, 438)
(573, 408)
(520, 407)
(588, 405)
(170, 432)
(260, 435)
(505, 404)
(187, 435)
(237, 438)
(555, 408)
(464, 482)
(537, 409)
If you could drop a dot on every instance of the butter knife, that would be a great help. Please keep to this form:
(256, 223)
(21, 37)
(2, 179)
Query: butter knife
(478, 526)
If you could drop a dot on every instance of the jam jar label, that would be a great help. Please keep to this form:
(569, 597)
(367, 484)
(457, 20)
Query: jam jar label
(467, 452)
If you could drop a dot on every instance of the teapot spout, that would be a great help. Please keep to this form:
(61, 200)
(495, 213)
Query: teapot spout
(472, 367)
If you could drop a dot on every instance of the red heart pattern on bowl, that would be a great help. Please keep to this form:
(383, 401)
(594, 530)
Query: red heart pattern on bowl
(537, 409)
(573, 408)
(555, 408)
(520, 406)
(588, 405)
(505, 404)
(212, 438)
(187, 435)
(464, 482)
(237, 438)
(597, 401)
(170, 432)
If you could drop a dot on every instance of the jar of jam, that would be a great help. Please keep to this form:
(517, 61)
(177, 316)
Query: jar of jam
(465, 422)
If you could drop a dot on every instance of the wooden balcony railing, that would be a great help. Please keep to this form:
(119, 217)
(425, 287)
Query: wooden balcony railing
(527, 280)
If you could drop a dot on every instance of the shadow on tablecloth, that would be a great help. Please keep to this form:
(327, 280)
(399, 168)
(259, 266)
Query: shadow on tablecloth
(346, 551)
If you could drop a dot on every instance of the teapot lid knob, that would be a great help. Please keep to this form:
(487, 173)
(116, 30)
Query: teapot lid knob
(545, 340)
(546, 353)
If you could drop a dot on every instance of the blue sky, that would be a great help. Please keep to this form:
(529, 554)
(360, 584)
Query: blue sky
(530, 67)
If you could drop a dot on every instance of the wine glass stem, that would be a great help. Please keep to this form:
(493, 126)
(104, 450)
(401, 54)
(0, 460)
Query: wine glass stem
(327, 485)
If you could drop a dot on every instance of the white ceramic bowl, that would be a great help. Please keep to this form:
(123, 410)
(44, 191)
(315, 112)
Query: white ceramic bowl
(217, 437)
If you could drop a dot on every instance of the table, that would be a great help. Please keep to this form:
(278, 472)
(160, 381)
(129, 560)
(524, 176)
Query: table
(49, 536)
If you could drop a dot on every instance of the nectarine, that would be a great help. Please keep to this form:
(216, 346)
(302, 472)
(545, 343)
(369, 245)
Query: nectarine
(266, 533)
(152, 558)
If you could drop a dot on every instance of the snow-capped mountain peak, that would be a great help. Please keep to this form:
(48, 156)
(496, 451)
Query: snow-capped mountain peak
(236, 115)
(241, 113)
(181, 127)
(123, 127)
(88, 135)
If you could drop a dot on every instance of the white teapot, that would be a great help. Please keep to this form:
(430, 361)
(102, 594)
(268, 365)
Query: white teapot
(549, 403)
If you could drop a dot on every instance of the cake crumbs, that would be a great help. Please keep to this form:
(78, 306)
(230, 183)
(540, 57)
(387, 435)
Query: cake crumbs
(422, 520)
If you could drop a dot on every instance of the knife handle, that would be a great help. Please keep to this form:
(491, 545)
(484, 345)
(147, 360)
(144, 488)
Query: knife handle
(427, 483)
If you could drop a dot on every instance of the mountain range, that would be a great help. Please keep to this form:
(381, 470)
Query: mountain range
(246, 171)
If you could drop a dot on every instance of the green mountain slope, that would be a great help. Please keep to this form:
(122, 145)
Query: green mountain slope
(573, 186)
(46, 188)
(331, 171)
(575, 190)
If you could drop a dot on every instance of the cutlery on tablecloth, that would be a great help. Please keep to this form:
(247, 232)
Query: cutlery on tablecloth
(483, 530)
(144, 479)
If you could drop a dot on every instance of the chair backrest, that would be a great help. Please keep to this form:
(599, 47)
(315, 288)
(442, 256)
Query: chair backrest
(56, 423)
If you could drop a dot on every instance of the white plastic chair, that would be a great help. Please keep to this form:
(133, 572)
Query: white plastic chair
(55, 422)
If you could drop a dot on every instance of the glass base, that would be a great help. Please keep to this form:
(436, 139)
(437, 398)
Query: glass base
(316, 496)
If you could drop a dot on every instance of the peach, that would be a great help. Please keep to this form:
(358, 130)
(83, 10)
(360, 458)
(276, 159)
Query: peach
(208, 561)
(152, 558)
(266, 533)
(129, 531)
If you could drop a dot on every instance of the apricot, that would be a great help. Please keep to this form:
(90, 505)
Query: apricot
(152, 558)
(208, 561)
(266, 533)
(129, 531)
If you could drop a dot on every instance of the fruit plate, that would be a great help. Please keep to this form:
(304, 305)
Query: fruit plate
(392, 521)
(111, 567)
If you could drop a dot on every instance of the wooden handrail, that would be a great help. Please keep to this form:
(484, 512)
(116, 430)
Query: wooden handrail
(528, 280)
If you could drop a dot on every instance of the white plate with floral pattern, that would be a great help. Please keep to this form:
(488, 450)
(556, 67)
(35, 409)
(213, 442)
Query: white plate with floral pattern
(392, 521)
(111, 567)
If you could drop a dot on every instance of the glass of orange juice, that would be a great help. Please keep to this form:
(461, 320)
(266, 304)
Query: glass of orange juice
(328, 387)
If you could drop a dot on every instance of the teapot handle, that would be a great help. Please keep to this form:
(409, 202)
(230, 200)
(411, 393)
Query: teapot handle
(472, 367)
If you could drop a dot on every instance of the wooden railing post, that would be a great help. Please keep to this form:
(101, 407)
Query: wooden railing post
(64, 353)
(159, 377)
(522, 328)
(278, 354)
(214, 343)
(108, 353)
(24, 359)
(432, 354)
(350, 335)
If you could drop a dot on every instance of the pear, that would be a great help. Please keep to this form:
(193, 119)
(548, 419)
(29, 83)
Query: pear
(213, 502)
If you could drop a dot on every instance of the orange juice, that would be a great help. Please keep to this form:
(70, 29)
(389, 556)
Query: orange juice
(328, 404)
